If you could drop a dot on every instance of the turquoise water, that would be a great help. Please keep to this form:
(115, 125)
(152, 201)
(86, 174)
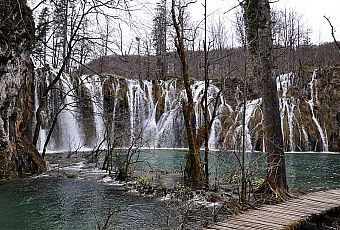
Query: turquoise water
(313, 171)
(305, 171)
(56, 203)
(63, 204)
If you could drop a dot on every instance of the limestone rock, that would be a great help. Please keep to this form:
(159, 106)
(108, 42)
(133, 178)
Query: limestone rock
(17, 155)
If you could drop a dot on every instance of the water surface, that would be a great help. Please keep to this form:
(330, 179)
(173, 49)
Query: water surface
(59, 203)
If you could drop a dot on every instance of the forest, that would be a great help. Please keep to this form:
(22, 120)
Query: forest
(119, 114)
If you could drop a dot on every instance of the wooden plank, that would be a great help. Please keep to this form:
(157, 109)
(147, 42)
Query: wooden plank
(289, 208)
(285, 211)
(309, 204)
(291, 213)
(334, 191)
(282, 216)
(329, 193)
(216, 227)
(253, 219)
(260, 219)
(313, 203)
(301, 209)
(325, 201)
(244, 225)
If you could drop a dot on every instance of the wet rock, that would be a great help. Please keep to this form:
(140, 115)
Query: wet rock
(18, 156)
(215, 197)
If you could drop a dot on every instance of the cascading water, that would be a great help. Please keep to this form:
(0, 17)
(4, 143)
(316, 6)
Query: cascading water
(250, 110)
(149, 115)
(311, 102)
(166, 126)
(142, 113)
(71, 134)
(42, 134)
(149, 124)
(94, 86)
(287, 106)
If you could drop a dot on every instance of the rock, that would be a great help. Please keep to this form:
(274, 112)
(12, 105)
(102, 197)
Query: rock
(18, 157)
(215, 197)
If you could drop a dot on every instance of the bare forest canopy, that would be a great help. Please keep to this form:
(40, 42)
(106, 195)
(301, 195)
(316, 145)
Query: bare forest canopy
(119, 37)
(224, 63)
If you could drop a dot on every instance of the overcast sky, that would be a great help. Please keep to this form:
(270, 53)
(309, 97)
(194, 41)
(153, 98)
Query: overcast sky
(311, 10)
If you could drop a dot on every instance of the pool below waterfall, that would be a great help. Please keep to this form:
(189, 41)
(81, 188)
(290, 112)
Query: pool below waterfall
(60, 203)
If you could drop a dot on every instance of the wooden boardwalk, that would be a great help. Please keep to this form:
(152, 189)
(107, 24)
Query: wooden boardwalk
(288, 215)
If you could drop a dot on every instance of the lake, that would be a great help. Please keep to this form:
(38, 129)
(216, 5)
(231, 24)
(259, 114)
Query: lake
(59, 203)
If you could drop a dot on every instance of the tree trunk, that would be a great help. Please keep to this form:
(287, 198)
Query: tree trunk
(192, 172)
(276, 174)
(260, 45)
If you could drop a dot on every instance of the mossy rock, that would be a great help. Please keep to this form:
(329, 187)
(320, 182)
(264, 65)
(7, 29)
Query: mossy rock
(232, 204)
(7, 167)
(27, 159)
(215, 197)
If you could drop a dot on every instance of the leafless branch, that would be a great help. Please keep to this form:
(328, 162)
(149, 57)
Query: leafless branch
(332, 32)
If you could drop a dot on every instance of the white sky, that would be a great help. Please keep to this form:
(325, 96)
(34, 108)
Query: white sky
(311, 10)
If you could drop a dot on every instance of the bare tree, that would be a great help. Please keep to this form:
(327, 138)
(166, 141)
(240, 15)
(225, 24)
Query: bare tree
(192, 173)
(73, 18)
(332, 32)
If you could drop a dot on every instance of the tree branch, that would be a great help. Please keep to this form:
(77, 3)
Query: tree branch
(332, 32)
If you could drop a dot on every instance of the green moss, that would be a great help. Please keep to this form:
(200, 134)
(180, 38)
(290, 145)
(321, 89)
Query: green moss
(144, 185)
(250, 18)
(71, 175)
(232, 204)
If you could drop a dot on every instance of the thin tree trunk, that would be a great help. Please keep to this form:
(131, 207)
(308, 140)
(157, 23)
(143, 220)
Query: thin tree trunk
(192, 172)
(206, 86)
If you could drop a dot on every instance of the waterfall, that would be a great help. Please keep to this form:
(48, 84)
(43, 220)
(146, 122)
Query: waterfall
(71, 134)
(287, 105)
(42, 134)
(251, 107)
(142, 113)
(216, 129)
(148, 114)
(166, 136)
(132, 87)
(149, 123)
(313, 99)
(94, 86)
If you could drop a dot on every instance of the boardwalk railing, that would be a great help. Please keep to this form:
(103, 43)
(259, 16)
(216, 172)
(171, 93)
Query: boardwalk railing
(287, 215)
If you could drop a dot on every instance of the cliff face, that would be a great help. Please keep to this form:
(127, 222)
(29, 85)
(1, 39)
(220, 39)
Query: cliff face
(310, 114)
(17, 155)
(329, 109)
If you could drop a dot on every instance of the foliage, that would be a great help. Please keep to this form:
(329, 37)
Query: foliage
(250, 17)
(258, 183)
(144, 185)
